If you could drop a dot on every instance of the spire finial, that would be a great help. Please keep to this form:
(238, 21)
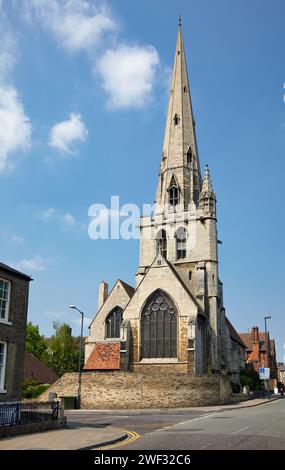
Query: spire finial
(179, 20)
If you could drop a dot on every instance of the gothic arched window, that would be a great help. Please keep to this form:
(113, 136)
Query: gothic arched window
(113, 323)
(173, 192)
(161, 243)
(159, 327)
(180, 237)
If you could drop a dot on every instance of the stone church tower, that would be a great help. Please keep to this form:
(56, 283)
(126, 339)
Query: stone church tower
(174, 319)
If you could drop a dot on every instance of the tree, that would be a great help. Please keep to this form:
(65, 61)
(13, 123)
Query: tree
(63, 352)
(250, 378)
(35, 342)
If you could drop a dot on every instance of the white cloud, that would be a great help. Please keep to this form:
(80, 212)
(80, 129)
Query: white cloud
(128, 75)
(15, 127)
(8, 48)
(69, 220)
(55, 314)
(47, 214)
(64, 134)
(37, 263)
(16, 238)
(76, 24)
(65, 219)
(127, 72)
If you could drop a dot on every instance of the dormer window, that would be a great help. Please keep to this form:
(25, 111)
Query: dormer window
(176, 120)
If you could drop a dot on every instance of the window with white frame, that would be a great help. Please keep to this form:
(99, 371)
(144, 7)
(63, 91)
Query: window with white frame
(3, 349)
(4, 299)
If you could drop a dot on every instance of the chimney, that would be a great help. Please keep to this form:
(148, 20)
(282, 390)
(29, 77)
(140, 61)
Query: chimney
(255, 334)
(102, 293)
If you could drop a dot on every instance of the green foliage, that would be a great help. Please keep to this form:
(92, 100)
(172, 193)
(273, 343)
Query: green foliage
(63, 351)
(250, 377)
(35, 342)
(236, 388)
(33, 389)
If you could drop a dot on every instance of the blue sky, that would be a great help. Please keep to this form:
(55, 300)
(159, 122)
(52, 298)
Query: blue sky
(74, 130)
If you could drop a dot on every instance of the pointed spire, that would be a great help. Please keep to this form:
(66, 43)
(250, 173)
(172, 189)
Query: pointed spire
(207, 188)
(207, 196)
(180, 151)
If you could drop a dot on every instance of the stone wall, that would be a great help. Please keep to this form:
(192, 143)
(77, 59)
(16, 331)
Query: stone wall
(119, 390)
(40, 426)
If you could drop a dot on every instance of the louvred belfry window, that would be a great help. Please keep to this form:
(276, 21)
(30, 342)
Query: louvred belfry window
(159, 327)
(113, 323)
(180, 237)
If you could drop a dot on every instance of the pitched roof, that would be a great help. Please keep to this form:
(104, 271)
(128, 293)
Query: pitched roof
(234, 334)
(9, 269)
(129, 289)
(37, 370)
(247, 339)
(179, 278)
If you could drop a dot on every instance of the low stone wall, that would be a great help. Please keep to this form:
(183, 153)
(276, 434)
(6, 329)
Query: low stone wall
(9, 431)
(119, 390)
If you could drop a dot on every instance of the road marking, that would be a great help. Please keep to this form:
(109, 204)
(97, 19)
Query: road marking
(188, 421)
(133, 437)
(240, 430)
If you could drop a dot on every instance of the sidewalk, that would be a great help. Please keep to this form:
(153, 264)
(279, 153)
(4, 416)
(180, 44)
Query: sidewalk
(230, 406)
(69, 438)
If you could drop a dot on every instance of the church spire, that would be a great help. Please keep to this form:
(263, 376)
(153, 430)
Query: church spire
(180, 158)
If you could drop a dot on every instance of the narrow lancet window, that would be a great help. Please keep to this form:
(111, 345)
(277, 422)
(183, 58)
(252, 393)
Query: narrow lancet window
(189, 155)
(173, 193)
(161, 243)
(176, 120)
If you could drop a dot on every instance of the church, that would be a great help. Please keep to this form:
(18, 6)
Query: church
(172, 322)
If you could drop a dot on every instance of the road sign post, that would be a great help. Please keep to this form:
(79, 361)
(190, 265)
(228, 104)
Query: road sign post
(264, 374)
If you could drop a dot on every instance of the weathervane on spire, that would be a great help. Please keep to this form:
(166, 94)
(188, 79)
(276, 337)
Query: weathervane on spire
(179, 20)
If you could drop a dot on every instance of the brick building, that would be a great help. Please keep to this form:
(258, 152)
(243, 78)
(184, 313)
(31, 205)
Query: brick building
(14, 292)
(281, 373)
(260, 350)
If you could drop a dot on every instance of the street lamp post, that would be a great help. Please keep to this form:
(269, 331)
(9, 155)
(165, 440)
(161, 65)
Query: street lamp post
(267, 363)
(78, 398)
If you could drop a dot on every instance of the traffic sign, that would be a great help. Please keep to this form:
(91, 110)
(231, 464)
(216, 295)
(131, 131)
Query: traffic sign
(264, 373)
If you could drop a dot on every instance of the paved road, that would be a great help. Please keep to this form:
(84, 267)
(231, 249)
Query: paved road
(141, 421)
(260, 427)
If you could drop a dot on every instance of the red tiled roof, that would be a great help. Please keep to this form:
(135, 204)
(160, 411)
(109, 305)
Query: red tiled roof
(105, 356)
(247, 339)
(37, 370)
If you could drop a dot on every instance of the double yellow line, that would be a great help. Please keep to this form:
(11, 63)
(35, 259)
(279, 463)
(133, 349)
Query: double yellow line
(132, 437)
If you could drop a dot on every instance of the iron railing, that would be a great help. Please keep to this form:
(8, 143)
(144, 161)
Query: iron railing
(13, 413)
